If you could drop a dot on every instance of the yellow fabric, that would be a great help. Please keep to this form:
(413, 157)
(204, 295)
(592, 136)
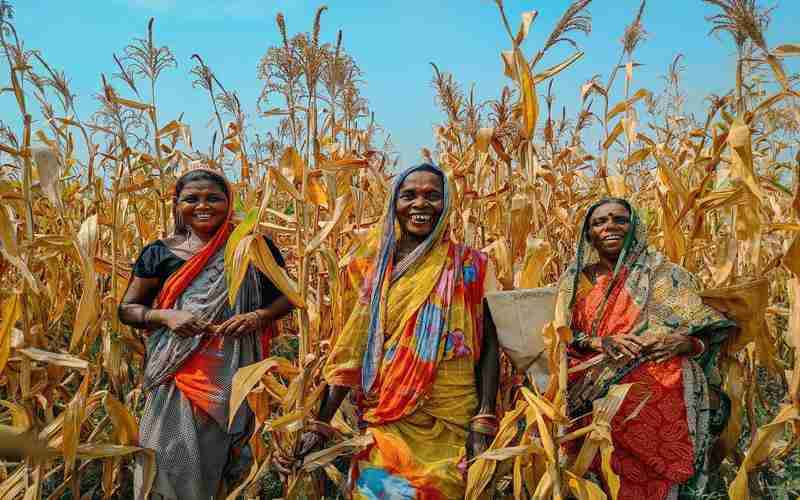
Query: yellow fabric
(426, 447)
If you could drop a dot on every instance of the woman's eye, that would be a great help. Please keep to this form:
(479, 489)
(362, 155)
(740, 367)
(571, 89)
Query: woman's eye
(190, 199)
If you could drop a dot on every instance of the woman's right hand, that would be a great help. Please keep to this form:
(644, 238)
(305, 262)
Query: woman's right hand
(310, 441)
(183, 323)
(618, 346)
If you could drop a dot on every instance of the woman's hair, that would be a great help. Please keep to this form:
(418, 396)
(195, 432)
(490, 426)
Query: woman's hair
(201, 175)
(605, 201)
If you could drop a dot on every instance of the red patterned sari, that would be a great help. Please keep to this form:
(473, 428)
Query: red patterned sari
(663, 430)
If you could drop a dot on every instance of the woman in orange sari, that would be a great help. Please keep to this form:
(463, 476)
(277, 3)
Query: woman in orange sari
(196, 342)
(419, 350)
(644, 315)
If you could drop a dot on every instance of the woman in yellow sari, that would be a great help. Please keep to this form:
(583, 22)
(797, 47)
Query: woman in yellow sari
(419, 350)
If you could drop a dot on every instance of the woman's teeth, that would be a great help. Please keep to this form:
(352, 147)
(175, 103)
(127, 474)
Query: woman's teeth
(202, 216)
(421, 219)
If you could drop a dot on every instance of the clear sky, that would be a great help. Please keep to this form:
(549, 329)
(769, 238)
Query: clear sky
(393, 41)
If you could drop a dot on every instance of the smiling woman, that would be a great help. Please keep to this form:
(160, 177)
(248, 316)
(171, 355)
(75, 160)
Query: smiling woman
(419, 350)
(196, 341)
(637, 318)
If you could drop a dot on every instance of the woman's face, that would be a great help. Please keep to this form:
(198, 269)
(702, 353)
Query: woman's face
(420, 203)
(608, 226)
(203, 206)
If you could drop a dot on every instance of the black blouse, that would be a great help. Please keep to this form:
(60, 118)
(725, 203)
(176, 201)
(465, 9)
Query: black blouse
(156, 260)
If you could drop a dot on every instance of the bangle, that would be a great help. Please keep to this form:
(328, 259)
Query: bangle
(146, 318)
(324, 429)
(485, 423)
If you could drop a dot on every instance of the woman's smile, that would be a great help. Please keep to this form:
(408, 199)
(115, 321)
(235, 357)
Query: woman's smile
(203, 206)
(420, 203)
(608, 226)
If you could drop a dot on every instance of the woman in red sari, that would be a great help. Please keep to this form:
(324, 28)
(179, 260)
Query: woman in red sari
(644, 315)
(196, 342)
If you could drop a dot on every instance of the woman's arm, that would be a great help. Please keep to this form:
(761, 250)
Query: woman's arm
(488, 371)
(487, 375)
(314, 439)
(134, 310)
(242, 324)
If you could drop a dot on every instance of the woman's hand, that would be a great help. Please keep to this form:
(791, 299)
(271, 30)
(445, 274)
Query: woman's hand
(183, 323)
(310, 441)
(477, 444)
(240, 324)
(660, 348)
(618, 346)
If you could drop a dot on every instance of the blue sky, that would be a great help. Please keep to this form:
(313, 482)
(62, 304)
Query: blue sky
(393, 42)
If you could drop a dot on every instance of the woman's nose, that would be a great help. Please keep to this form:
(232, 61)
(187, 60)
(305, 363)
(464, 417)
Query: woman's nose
(419, 201)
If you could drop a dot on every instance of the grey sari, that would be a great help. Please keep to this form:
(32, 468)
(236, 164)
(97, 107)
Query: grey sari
(194, 447)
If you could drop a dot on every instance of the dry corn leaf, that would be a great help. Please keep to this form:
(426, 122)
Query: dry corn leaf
(74, 416)
(537, 252)
(20, 418)
(625, 105)
(263, 259)
(284, 184)
(617, 186)
(344, 205)
(126, 430)
(735, 390)
(481, 471)
(89, 305)
(615, 132)
(530, 104)
(324, 457)
(583, 488)
(742, 167)
(54, 358)
(500, 254)
(558, 68)
(47, 167)
(746, 304)
(291, 422)
(245, 379)
(11, 309)
(764, 445)
(9, 250)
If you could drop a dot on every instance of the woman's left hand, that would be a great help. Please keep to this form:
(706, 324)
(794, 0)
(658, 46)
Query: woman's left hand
(660, 348)
(477, 443)
(240, 324)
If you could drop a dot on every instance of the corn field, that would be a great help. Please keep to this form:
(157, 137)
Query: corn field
(80, 196)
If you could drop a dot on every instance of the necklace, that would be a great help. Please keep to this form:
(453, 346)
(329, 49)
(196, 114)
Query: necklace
(190, 245)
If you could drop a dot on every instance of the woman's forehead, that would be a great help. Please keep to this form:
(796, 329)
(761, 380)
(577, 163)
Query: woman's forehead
(422, 180)
(202, 185)
(610, 208)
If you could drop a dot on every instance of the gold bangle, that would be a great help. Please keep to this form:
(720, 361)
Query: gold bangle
(484, 423)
